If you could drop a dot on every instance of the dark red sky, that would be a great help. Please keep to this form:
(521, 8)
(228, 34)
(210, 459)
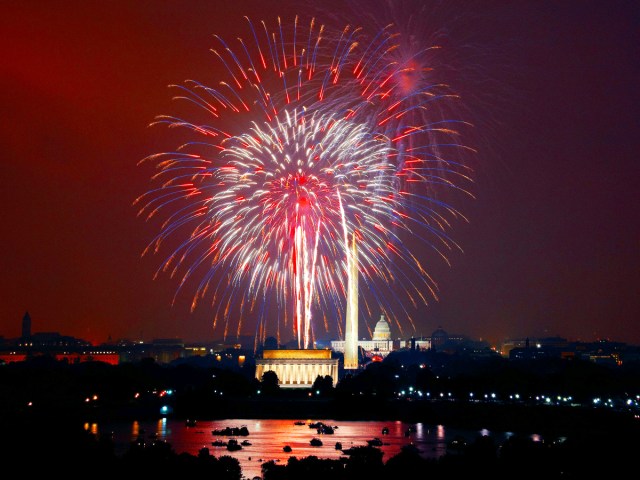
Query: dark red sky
(552, 246)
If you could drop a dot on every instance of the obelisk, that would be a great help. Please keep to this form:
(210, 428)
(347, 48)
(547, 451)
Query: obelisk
(351, 327)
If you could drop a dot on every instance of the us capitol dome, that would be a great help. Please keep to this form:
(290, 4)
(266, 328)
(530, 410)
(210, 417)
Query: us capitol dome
(380, 344)
(382, 331)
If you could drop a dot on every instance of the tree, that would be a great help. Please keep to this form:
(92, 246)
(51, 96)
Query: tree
(270, 382)
(324, 385)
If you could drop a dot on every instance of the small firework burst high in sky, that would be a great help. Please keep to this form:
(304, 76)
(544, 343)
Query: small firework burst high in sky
(312, 136)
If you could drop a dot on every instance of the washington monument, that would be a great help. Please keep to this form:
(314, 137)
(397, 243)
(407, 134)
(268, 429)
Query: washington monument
(351, 327)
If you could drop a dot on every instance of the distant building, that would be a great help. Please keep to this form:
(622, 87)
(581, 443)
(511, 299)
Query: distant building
(52, 341)
(161, 350)
(105, 356)
(418, 343)
(511, 343)
(439, 338)
(298, 368)
(547, 347)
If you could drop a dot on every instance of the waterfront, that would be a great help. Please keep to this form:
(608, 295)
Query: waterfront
(269, 436)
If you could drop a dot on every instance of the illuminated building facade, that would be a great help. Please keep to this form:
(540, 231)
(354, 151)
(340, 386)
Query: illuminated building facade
(381, 344)
(298, 368)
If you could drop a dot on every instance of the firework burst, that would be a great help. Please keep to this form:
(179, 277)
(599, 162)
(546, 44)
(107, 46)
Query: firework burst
(274, 213)
(303, 147)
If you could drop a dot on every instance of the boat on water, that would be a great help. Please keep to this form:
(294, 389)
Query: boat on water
(233, 445)
(299, 422)
(190, 422)
(322, 428)
(338, 446)
(410, 448)
(385, 430)
(325, 430)
(242, 431)
(316, 442)
(245, 443)
(375, 442)
(219, 443)
(286, 448)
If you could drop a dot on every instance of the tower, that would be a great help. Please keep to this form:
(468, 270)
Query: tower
(351, 327)
(26, 326)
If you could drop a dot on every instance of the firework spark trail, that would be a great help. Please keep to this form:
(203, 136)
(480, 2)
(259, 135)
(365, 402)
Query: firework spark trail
(407, 103)
(261, 208)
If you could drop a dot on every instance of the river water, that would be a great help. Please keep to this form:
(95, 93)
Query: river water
(268, 437)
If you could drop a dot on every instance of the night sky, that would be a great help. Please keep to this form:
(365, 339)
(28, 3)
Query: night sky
(552, 242)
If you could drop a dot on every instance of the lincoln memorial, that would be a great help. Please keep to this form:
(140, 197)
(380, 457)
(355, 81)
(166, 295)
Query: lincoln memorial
(298, 368)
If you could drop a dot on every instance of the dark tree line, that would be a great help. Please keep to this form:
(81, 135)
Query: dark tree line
(44, 395)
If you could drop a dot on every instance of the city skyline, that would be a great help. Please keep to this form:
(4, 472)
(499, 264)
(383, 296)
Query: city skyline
(551, 243)
(249, 341)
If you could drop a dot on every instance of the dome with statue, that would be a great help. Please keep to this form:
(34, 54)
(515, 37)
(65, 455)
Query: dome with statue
(382, 330)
